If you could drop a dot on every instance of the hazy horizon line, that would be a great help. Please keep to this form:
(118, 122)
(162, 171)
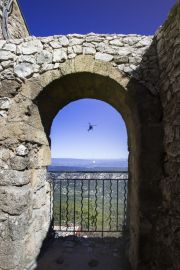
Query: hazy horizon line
(89, 158)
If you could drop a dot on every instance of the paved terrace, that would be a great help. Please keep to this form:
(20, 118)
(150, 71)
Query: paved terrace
(83, 254)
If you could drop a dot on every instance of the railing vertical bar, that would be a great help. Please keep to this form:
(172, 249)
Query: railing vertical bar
(89, 185)
(110, 205)
(74, 206)
(81, 204)
(125, 203)
(96, 212)
(60, 203)
(67, 204)
(51, 183)
(103, 207)
(117, 207)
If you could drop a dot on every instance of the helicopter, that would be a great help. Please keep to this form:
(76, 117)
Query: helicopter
(91, 127)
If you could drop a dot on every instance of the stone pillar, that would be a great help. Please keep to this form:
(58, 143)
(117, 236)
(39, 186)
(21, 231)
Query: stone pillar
(166, 250)
(25, 212)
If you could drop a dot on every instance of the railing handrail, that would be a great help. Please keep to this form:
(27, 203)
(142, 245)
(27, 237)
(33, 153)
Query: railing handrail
(93, 179)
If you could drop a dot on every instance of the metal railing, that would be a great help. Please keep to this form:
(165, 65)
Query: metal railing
(85, 203)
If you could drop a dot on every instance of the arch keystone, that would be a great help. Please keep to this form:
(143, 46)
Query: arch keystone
(84, 63)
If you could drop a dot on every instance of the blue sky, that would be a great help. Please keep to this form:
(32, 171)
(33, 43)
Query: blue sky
(70, 137)
(50, 17)
(69, 134)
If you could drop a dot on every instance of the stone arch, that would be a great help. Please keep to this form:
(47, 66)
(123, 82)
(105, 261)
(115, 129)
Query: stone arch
(84, 77)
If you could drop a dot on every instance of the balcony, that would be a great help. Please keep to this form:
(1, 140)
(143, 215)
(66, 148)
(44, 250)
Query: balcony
(89, 211)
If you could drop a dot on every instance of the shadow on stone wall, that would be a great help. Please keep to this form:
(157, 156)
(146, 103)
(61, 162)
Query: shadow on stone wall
(48, 240)
(150, 193)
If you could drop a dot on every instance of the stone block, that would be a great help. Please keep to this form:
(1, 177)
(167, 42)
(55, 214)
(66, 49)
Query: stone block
(5, 156)
(55, 44)
(9, 88)
(21, 110)
(3, 113)
(146, 41)
(6, 64)
(11, 254)
(59, 56)
(116, 42)
(104, 48)
(5, 103)
(27, 58)
(76, 41)
(89, 50)
(18, 225)
(94, 38)
(77, 49)
(24, 70)
(40, 157)
(31, 47)
(15, 178)
(71, 56)
(6, 55)
(15, 200)
(39, 198)
(44, 57)
(41, 219)
(10, 47)
(121, 60)
(103, 57)
(38, 178)
(19, 163)
(24, 132)
(83, 63)
(22, 150)
(64, 41)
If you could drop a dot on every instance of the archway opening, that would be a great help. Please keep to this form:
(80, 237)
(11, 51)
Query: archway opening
(89, 140)
(89, 173)
(141, 113)
(110, 218)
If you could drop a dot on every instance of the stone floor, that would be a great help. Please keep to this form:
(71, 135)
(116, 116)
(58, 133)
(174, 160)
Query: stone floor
(78, 253)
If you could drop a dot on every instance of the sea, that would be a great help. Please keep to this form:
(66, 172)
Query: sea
(71, 164)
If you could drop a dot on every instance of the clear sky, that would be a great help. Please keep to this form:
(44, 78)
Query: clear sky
(50, 17)
(69, 134)
(70, 138)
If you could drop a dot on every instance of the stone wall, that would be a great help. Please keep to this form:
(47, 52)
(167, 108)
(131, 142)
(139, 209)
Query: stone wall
(25, 58)
(115, 68)
(167, 247)
(133, 73)
(16, 25)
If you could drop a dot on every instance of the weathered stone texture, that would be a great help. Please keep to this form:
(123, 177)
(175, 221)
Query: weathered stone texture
(30, 57)
(16, 25)
(140, 77)
(24, 217)
(168, 226)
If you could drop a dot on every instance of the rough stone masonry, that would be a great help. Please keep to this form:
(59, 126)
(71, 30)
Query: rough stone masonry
(140, 76)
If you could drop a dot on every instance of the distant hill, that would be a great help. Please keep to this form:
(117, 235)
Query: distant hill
(69, 164)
